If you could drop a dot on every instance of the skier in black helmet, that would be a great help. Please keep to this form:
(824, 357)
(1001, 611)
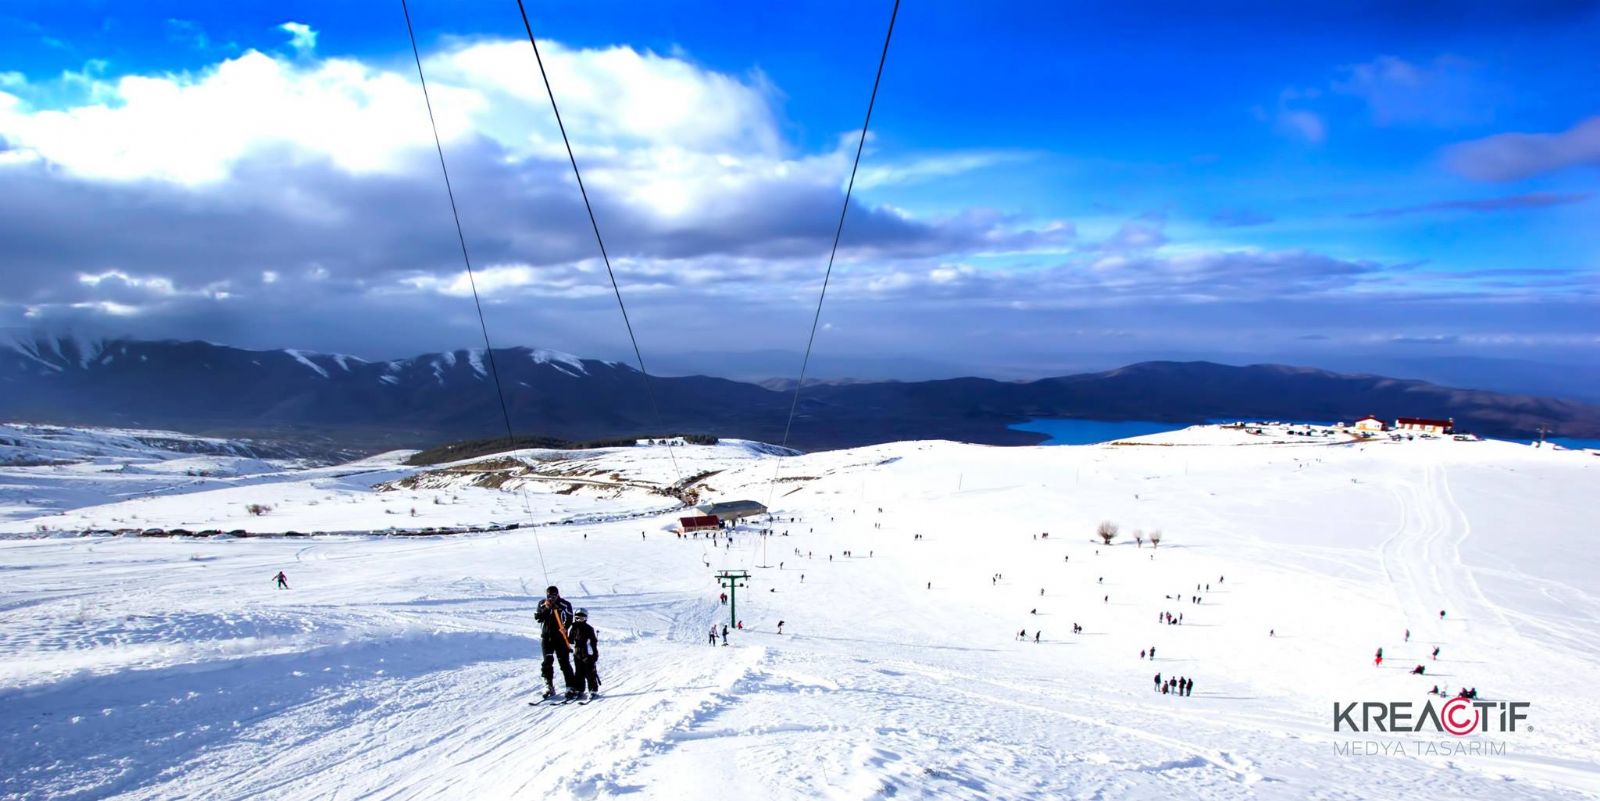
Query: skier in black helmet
(586, 652)
(555, 618)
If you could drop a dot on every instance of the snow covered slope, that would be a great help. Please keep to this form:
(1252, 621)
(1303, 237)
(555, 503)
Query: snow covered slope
(397, 667)
(45, 468)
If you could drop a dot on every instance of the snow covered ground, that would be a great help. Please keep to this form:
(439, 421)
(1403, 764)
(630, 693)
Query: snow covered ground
(398, 666)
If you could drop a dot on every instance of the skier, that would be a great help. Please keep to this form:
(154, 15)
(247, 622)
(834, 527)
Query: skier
(1435, 652)
(282, 580)
(1141, 655)
(711, 636)
(724, 634)
(1441, 614)
(780, 627)
(1408, 635)
(1419, 670)
(554, 616)
(1158, 681)
(586, 647)
(1152, 653)
(1036, 636)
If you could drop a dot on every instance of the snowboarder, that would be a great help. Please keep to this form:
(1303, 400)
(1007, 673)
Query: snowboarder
(724, 634)
(1419, 670)
(282, 580)
(555, 617)
(586, 652)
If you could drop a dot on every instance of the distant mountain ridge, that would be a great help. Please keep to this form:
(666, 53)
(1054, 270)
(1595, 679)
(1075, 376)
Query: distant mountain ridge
(204, 387)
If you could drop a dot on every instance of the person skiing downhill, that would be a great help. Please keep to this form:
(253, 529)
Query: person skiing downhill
(282, 580)
(555, 617)
(586, 652)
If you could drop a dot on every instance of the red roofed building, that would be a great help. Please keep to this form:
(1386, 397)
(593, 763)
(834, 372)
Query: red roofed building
(700, 523)
(1425, 425)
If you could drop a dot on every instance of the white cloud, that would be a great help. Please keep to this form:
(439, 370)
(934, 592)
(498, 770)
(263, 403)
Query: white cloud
(1305, 124)
(936, 166)
(302, 37)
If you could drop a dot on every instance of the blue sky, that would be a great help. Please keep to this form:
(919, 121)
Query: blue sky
(1400, 187)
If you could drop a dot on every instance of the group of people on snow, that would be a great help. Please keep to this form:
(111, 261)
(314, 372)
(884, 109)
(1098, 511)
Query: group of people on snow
(1174, 686)
(566, 638)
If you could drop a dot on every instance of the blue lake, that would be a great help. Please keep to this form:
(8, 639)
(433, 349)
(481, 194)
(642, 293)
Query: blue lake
(1089, 432)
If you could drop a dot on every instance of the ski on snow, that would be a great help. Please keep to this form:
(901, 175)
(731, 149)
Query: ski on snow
(559, 701)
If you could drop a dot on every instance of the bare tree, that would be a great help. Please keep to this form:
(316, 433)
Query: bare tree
(1107, 531)
(1138, 537)
(1155, 537)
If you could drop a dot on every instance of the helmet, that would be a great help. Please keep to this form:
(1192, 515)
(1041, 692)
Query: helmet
(581, 614)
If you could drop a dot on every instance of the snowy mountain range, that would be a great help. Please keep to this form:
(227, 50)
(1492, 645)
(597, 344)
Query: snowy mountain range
(204, 387)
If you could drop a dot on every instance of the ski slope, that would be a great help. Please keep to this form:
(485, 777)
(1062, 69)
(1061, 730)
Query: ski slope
(397, 667)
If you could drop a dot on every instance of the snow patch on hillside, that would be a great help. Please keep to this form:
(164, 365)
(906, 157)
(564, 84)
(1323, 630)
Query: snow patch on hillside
(301, 357)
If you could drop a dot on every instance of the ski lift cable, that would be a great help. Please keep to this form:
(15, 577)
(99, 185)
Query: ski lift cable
(461, 238)
(599, 240)
(838, 232)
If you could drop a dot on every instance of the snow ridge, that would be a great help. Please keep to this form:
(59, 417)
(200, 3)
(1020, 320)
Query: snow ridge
(300, 357)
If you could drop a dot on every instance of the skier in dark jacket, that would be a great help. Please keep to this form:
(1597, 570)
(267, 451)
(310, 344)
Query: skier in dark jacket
(555, 617)
(586, 652)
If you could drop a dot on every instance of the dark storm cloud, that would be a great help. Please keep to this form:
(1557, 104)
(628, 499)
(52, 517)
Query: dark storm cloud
(284, 215)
